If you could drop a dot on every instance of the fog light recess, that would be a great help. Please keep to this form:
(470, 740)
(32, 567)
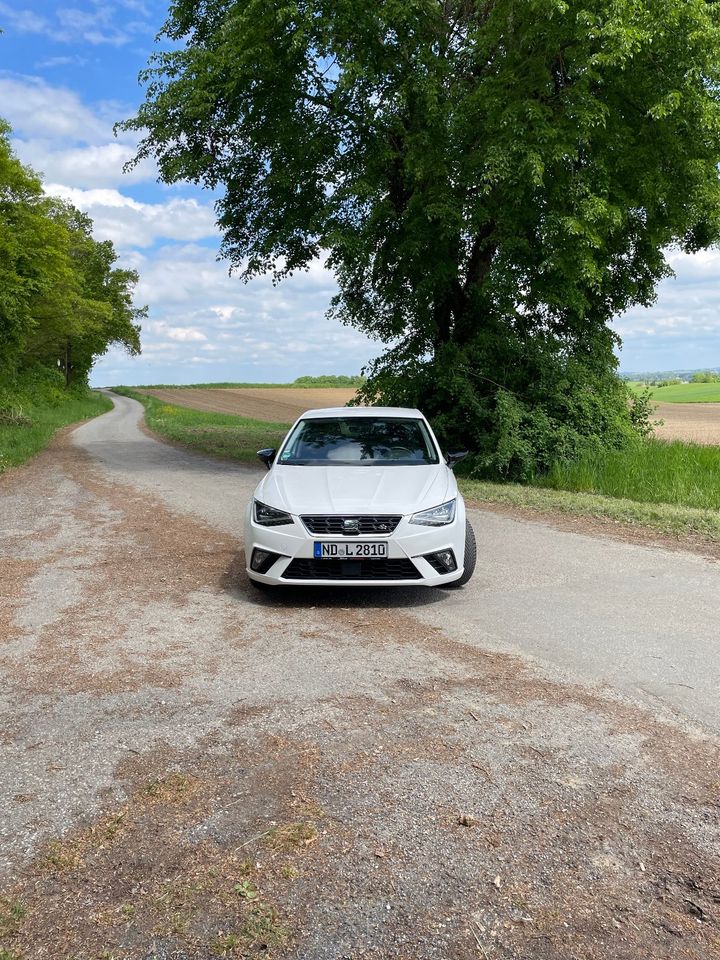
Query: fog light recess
(262, 560)
(443, 561)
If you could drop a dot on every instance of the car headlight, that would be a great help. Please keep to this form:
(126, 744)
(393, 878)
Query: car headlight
(436, 516)
(270, 517)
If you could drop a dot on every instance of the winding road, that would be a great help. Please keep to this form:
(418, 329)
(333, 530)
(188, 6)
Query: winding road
(642, 621)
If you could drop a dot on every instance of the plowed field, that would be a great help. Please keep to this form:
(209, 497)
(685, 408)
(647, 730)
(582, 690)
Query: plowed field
(692, 422)
(274, 404)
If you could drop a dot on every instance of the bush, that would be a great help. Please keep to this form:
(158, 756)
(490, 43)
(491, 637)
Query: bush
(518, 411)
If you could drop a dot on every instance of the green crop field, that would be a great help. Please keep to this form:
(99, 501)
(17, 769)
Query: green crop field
(682, 392)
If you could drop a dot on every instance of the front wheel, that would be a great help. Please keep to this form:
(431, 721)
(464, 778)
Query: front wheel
(470, 557)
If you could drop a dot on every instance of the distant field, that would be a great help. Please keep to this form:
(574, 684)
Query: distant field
(274, 404)
(692, 422)
(683, 392)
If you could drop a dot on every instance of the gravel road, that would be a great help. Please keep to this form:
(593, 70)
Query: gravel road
(643, 621)
(527, 768)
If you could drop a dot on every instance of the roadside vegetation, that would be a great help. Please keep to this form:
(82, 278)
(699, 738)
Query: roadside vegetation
(217, 434)
(650, 471)
(670, 520)
(38, 407)
(63, 303)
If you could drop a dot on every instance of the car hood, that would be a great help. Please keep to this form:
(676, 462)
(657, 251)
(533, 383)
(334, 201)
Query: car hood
(356, 490)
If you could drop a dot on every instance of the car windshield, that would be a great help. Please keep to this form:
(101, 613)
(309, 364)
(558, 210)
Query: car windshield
(359, 441)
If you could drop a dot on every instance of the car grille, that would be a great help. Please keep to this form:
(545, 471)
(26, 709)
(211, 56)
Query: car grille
(353, 569)
(376, 526)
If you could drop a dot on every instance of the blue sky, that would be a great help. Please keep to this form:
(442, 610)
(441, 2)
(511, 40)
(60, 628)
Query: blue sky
(68, 73)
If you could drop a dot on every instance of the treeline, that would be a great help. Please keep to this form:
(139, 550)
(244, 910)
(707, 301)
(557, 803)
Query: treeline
(329, 380)
(63, 302)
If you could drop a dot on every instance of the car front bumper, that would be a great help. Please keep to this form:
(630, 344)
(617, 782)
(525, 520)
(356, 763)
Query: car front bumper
(407, 563)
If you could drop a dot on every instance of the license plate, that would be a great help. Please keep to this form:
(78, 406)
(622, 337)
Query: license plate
(334, 550)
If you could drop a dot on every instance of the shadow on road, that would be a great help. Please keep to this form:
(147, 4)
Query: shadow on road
(236, 583)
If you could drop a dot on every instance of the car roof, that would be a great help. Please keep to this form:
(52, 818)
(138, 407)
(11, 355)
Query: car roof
(405, 413)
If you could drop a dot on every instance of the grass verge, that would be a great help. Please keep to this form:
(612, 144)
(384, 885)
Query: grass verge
(639, 470)
(218, 434)
(653, 471)
(28, 420)
(663, 518)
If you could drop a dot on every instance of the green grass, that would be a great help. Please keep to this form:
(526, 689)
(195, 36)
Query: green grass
(218, 434)
(29, 420)
(668, 519)
(652, 471)
(682, 392)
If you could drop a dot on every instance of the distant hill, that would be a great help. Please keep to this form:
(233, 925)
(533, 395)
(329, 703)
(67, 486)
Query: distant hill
(656, 375)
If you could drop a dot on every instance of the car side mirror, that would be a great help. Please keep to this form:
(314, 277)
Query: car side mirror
(452, 458)
(267, 455)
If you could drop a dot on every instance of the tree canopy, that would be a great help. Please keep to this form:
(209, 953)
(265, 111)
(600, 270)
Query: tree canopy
(494, 181)
(63, 303)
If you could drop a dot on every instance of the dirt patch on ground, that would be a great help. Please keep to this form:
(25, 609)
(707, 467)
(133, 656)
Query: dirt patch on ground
(195, 772)
(395, 832)
(274, 404)
(692, 422)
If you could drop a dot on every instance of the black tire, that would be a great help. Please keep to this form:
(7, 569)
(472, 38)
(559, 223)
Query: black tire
(470, 558)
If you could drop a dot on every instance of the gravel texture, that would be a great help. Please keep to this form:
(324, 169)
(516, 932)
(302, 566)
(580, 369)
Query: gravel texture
(192, 771)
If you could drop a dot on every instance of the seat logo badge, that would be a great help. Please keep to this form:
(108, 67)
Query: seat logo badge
(351, 525)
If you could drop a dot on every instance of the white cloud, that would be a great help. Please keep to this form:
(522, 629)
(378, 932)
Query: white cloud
(23, 21)
(95, 25)
(75, 60)
(65, 140)
(179, 334)
(682, 329)
(36, 109)
(88, 166)
(252, 331)
(129, 223)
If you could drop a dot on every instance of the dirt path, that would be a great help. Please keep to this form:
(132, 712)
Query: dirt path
(190, 772)
(279, 405)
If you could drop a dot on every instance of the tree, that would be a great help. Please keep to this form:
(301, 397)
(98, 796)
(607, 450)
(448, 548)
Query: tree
(493, 180)
(62, 301)
(33, 252)
(94, 311)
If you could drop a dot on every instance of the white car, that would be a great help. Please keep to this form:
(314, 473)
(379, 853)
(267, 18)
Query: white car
(359, 496)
